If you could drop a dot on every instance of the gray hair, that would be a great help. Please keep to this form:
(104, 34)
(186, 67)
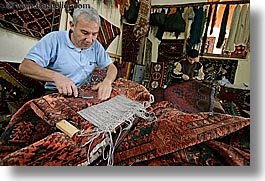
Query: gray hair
(89, 14)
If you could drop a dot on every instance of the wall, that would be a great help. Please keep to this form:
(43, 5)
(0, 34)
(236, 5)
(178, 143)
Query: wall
(243, 72)
(14, 46)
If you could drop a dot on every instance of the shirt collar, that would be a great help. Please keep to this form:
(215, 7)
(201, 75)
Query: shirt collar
(69, 43)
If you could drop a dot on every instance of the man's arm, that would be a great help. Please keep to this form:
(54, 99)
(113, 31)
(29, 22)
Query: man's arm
(178, 72)
(33, 70)
(200, 74)
(104, 88)
(111, 73)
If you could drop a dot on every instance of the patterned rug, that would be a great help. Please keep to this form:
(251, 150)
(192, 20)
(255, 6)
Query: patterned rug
(141, 26)
(237, 100)
(32, 139)
(108, 32)
(16, 87)
(33, 22)
(174, 139)
(168, 78)
(170, 50)
(157, 75)
(147, 62)
(190, 96)
(124, 69)
(209, 45)
(240, 51)
(40, 115)
(130, 45)
(215, 69)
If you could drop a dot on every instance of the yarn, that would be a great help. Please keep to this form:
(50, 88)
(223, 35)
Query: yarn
(113, 116)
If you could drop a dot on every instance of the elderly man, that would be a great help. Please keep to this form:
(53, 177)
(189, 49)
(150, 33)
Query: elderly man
(65, 59)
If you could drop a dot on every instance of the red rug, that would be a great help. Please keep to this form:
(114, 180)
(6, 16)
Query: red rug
(169, 140)
(190, 96)
(174, 135)
(108, 32)
(130, 45)
(34, 22)
(39, 116)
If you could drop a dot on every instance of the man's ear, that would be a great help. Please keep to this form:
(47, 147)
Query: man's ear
(72, 25)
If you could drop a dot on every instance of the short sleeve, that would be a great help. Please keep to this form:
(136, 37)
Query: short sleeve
(103, 58)
(44, 51)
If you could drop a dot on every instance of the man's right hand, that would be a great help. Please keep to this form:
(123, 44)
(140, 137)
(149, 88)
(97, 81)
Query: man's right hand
(66, 86)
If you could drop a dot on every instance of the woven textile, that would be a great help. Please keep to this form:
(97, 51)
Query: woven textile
(157, 75)
(209, 45)
(138, 73)
(24, 129)
(147, 62)
(17, 87)
(240, 50)
(30, 21)
(158, 94)
(240, 97)
(176, 138)
(124, 69)
(114, 112)
(108, 32)
(190, 96)
(204, 153)
(40, 115)
(130, 45)
(216, 69)
(170, 50)
(141, 26)
(15, 90)
(168, 78)
(176, 133)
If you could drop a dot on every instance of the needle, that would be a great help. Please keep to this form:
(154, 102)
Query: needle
(87, 97)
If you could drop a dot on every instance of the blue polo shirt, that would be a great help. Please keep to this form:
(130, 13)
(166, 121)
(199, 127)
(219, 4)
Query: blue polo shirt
(56, 51)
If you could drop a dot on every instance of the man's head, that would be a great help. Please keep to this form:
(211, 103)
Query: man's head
(193, 56)
(85, 27)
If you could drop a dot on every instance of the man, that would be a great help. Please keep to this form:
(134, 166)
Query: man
(188, 67)
(65, 59)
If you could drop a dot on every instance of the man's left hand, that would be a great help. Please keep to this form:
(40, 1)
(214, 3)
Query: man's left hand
(104, 89)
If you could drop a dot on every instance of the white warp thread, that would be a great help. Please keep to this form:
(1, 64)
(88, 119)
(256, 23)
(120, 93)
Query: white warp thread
(116, 114)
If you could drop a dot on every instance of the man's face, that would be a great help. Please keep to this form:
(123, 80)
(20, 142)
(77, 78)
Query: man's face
(84, 33)
(192, 60)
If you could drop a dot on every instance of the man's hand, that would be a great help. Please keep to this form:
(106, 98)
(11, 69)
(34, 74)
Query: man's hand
(66, 86)
(185, 77)
(104, 89)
